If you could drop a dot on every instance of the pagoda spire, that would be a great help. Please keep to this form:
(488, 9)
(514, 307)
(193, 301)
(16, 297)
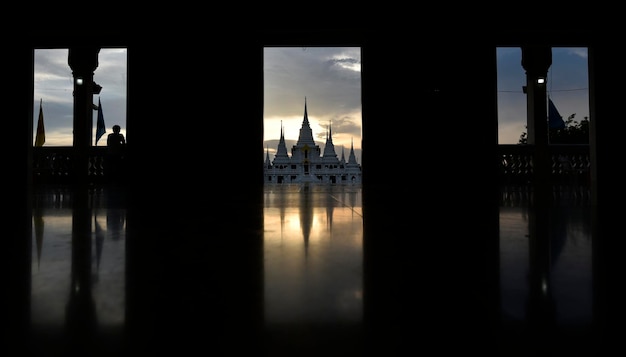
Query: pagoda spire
(306, 134)
(352, 158)
(306, 116)
(268, 163)
(281, 157)
(330, 156)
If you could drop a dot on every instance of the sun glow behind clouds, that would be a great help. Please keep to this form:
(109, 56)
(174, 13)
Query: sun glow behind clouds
(329, 78)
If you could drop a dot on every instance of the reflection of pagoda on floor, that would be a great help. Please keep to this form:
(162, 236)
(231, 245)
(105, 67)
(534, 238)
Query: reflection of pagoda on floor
(307, 163)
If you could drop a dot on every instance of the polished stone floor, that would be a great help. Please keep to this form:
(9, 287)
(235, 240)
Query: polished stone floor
(313, 280)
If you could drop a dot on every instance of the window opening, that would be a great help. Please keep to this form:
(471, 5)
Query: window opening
(567, 87)
(53, 94)
(312, 110)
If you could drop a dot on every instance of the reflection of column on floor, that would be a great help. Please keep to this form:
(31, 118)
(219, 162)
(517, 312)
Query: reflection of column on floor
(80, 314)
(541, 305)
(306, 214)
(330, 209)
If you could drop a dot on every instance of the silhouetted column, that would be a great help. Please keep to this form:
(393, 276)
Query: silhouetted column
(83, 61)
(15, 264)
(81, 319)
(607, 129)
(536, 60)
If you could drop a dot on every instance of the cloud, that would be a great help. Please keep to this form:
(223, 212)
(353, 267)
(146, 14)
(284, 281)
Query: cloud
(54, 86)
(567, 86)
(330, 80)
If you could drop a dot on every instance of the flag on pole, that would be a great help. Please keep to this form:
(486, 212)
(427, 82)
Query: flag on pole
(555, 120)
(40, 137)
(100, 130)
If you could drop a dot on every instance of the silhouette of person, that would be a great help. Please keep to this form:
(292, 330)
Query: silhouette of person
(116, 140)
(116, 144)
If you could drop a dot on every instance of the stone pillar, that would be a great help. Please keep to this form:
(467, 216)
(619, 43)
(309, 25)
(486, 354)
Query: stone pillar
(540, 306)
(607, 129)
(83, 61)
(80, 311)
(536, 60)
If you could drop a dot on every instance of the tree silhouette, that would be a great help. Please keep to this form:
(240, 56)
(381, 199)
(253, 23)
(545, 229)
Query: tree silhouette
(574, 132)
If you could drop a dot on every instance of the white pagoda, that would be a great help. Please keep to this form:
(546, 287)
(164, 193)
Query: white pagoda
(307, 163)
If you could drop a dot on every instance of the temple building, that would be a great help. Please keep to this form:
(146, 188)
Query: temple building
(308, 163)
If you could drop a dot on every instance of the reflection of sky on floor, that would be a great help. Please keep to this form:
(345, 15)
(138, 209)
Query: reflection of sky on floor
(313, 259)
(51, 266)
(313, 254)
(571, 266)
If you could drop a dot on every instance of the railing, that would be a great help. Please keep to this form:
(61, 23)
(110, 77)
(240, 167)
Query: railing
(570, 164)
(55, 165)
(570, 174)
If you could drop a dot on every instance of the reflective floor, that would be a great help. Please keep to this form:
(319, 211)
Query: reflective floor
(53, 276)
(555, 276)
(313, 255)
(313, 290)
(570, 264)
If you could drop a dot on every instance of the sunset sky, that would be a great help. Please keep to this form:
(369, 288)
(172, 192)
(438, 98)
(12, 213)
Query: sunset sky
(330, 80)
(567, 86)
(54, 86)
(328, 77)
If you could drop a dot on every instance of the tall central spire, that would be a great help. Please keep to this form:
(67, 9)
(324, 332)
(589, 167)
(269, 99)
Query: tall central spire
(306, 134)
(307, 163)
(306, 116)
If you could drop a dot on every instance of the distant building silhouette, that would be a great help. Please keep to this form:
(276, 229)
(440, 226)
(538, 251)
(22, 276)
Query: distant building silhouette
(307, 163)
